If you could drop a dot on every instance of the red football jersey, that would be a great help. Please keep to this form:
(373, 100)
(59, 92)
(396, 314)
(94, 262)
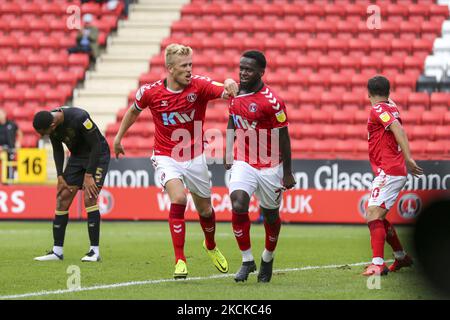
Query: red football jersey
(178, 113)
(254, 116)
(384, 152)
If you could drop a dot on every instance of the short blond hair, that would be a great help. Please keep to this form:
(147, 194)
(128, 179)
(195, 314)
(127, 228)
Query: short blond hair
(175, 49)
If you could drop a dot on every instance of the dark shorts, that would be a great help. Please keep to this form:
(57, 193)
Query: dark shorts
(76, 168)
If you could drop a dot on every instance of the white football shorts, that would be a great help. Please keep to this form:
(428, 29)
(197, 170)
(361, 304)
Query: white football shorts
(385, 190)
(194, 173)
(264, 183)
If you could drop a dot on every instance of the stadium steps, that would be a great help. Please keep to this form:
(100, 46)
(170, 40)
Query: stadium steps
(127, 56)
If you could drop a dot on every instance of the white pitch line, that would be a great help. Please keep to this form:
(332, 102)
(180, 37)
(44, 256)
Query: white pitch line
(145, 282)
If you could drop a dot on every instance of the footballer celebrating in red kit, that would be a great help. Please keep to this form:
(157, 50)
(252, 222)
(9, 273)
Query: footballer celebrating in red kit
(178, 104)
(390, 157)
(258, 126)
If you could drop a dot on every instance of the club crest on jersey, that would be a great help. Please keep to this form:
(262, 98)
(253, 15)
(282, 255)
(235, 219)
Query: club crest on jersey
(385, 117)
(191, 97)
(253, 107)
(281, 116)
(88, 124)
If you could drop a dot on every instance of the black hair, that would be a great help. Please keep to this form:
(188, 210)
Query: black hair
(379, 86)
(42, 120)
(258, 56)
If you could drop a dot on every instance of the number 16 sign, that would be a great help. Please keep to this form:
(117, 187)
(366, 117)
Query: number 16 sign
(32, 165)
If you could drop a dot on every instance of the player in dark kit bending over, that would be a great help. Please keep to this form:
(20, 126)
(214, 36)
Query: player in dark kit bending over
(86, 169)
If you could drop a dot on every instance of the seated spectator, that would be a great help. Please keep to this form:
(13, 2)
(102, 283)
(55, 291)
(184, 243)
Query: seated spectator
(10, 138)
(87, 39)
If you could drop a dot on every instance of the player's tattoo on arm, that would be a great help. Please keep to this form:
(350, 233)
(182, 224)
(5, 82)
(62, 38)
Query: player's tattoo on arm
(401, 138)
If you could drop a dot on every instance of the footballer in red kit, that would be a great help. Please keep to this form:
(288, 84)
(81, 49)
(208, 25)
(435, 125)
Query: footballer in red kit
(390, 157)
(261, 164)
(178, 104)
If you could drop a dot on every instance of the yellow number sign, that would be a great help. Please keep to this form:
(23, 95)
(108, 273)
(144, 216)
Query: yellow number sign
(32, 165)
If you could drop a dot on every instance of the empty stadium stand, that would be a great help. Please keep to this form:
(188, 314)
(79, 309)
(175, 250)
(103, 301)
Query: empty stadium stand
(36, 71)
(320, 56)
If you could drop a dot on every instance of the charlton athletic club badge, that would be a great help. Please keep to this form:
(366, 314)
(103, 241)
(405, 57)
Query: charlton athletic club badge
(253, 107)
(191, 97)
(409, 206)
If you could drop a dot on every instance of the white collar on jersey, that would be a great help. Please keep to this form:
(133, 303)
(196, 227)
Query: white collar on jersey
(173, 91)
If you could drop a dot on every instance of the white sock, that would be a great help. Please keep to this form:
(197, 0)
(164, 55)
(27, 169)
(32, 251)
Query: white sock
(378, 261)
(96, 249)
(267, 256)
(247, 255)
(399, 255)
(58, 250)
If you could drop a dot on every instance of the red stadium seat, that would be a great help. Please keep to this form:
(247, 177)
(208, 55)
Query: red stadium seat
(17, 60)
(432, 118)
(442, 132)
(52, 8)
(91, 7)
(10, 8)
(421, 132)
(437, 148)
(307, 63)
(423, 46)
(8, 42)
(419, 99)
(404, 83)
(79, 59)
(418, 147)
(411, 118)
(361, 116)
(440, 99)
(421, 10)
(439, 11)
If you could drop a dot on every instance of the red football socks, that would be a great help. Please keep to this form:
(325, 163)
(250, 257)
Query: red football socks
(177, 229)
(391, 236)
(377, 237)
(209, 229)
(272, 232)
(241, 229)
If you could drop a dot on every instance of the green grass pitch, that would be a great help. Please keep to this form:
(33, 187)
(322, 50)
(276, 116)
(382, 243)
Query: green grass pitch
(142, 251)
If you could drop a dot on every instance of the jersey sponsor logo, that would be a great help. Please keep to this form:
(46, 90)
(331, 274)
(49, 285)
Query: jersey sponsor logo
(253, 107)
(409, 206)
(164, 103)
(281, 116)
(170, 118)
(191, 97)
(242, 123)
(88, 124)
(385, 117)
